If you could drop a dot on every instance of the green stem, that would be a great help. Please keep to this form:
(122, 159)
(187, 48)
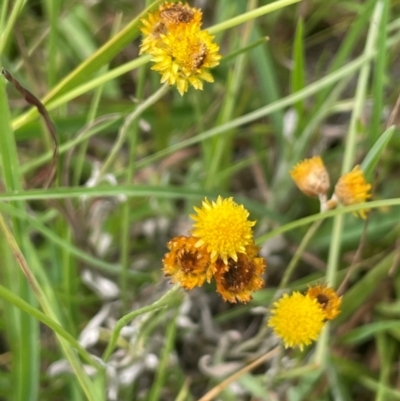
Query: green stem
(163, 302)
(222, 146)
(123, 132)
(361, 90)
(348, 160)
(161, 374)
(240, 19)
(299, 251)
(126, 207)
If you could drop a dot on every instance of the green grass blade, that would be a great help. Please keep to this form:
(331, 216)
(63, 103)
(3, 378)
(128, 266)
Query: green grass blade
(378, 85)
(298, 73)
(7, 31)
(367, 331)
(371, 159)
(26, 362)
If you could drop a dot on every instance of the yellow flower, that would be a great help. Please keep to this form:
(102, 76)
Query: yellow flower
(297, 319)
(328, 300)
(166, 18)
(182, 52)
(352, 189)
(222, 227)
(236, 280)
(187, 264)
(184, 57)
(311, 176)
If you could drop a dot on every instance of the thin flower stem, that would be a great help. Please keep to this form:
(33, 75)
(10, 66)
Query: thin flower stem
(126, 207)
(269, 8)
(123, 132)
(296, 257)
(163, 302)
(221, 386)
(361, 91)
(348, 160)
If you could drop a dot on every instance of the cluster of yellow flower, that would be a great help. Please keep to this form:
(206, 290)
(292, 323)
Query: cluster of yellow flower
(299, 318)
(181, 50)
(312, 178)
(221, 246)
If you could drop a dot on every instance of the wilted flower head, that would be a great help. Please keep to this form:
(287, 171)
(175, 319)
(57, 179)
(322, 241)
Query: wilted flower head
(187, 264)
(297, 319)
(352, 189)
(221, 246)
(223, 228)
(236, 280)
(311, 176)
(328, 300)
(182, 52)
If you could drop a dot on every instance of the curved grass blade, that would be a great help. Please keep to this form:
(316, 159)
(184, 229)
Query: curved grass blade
(372, 157)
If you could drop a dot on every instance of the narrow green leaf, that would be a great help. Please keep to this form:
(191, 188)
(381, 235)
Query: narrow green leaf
(298, 75)
(371, 159)
(365, 332)
(378, 85)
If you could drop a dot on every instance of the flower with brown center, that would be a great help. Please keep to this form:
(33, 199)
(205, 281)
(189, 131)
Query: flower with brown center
(328, 300)
(181, 51)
(169, 16)
(173, 14)
(352, 189)
(236, 280)
(186, 263)
(311, 176)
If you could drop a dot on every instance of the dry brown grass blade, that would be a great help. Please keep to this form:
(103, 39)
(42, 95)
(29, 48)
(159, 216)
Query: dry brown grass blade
(221, 386)
(31, 99)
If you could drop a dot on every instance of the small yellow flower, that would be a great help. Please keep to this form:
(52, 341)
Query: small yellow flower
(328, 300)
(311, 176)
(222, 228)
(185, 57)
(187, 264)
(182, 52)
(297, 319)
(168, 17)
(236, 280)
(352, 189)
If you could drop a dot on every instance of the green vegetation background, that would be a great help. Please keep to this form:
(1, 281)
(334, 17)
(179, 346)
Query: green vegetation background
(296, 79)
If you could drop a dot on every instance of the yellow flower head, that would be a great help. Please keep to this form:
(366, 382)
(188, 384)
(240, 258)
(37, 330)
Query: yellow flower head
(222, 228)
(168, 17)
(182, 52)
(327, 299)
(236, 280)
(311, 176)
(185, 56)
(352, 189)
(297, 319)
(187, 264)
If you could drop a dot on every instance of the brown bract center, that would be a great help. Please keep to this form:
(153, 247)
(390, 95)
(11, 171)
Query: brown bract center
(239, 274)
(187, 261)
(176, 13)
(323, 300)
